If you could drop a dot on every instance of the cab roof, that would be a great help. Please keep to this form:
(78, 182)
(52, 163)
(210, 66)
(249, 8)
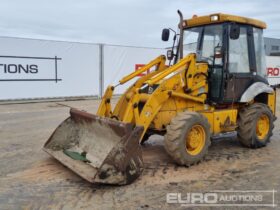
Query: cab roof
(220, 18)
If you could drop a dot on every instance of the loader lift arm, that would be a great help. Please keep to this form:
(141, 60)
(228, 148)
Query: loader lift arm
(170, 82)
(105, 105)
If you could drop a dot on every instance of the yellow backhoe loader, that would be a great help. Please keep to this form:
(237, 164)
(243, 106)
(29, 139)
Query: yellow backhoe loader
(215, 83)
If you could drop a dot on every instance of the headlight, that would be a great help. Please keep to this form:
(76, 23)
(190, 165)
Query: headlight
(214, 18)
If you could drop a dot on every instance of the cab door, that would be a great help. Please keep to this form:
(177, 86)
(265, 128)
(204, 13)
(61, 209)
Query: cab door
(212, 41)
(241, 66)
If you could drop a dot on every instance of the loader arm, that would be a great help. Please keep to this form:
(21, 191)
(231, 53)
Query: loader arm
(169, 87)
(170, 82)
(105, 105)
(124, 109)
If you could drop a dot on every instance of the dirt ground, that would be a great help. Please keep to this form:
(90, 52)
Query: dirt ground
(31, 179)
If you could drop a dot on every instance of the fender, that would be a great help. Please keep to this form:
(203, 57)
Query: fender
(254, 90)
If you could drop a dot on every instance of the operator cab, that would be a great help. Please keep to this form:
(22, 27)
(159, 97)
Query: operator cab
(233, 47)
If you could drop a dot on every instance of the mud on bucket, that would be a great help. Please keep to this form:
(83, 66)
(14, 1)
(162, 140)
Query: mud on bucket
(100, 150)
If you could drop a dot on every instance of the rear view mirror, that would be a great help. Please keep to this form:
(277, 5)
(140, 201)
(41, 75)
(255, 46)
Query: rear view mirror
(234, 31)
(165, 34)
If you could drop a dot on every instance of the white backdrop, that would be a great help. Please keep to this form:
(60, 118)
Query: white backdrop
(31, 69)
(75, 72)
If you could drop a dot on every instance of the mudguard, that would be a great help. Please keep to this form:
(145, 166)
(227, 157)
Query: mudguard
(254, 90)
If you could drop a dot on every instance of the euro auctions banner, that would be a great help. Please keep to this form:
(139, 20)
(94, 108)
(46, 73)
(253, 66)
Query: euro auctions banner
(273, 69)
(47, 69)
(26, 68)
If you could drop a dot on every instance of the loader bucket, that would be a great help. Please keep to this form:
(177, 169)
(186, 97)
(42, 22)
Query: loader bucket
(101, 150)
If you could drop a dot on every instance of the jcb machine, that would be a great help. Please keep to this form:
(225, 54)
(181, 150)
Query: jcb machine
(214, 83)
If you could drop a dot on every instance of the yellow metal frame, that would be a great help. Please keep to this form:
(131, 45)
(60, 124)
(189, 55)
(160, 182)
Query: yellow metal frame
(206, 20)
(177, 88)
(105, 105)
(272, 102)
(180, 87)
(221, 120)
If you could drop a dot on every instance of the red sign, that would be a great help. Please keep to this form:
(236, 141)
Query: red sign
(138, 66)
(273, 71)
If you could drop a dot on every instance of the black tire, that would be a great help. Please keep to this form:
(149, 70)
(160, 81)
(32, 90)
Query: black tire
(247, 125)
(176, 135)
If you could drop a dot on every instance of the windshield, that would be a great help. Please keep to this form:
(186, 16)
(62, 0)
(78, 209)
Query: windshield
(203, 40)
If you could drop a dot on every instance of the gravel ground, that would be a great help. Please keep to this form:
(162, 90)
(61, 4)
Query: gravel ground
(31, 179)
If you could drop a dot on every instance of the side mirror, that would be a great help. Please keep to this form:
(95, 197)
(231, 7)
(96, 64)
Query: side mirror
(165, 34)
(234, 31)
(170, 55)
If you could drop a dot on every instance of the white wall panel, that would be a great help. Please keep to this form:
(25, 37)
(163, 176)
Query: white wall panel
(75, 72)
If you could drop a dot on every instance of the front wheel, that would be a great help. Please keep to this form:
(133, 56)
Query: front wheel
(187, 138)
(255, 125)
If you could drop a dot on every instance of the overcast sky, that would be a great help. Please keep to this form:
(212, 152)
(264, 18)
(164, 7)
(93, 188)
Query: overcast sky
(125, 22)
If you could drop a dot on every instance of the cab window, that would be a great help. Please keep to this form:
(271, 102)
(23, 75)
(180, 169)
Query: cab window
(259, 52)
(212, 38)
(238, 53)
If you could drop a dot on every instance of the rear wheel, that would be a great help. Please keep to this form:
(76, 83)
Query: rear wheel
(187, 138)
(255, 125)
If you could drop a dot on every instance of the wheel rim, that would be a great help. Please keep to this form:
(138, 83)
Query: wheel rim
(195, 140)
(262, 127)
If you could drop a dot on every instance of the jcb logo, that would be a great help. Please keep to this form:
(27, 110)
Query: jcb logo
(273, 71)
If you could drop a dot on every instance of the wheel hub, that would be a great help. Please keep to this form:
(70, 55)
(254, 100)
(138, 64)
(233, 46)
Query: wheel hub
(262, 127)
(195, 140)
